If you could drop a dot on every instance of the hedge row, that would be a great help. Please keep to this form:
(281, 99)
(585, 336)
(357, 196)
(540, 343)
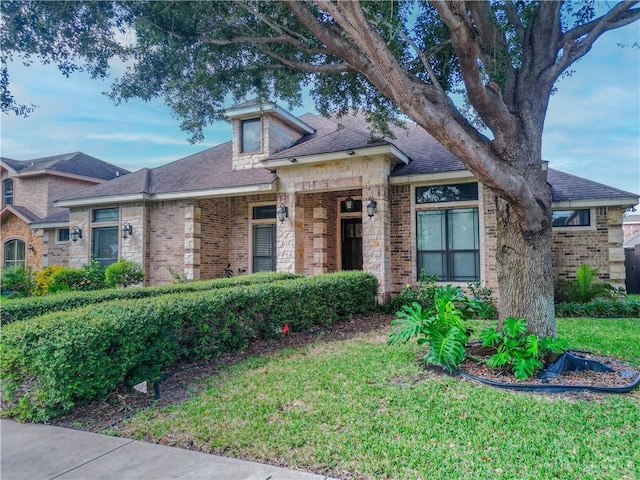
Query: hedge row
(600, 308)
(23, 308)
(53, 362)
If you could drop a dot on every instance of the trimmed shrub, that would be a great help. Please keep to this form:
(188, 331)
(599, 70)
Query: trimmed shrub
(21, 309)
(53, 362)
(629, 308)
(123, 273)
(44, 279)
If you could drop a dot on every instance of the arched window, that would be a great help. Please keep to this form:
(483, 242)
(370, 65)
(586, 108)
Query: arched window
(14, 253)
(7, 192)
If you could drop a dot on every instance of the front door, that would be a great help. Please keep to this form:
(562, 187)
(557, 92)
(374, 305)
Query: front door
(352, 244)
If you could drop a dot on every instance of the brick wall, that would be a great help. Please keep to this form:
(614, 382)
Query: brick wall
(166, 240)
(402, 268)
(599, 245)
(214, 246)
(60, 187)
(54, 252)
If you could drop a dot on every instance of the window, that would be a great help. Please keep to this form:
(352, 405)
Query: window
(104, 238)
(14, 254)
(251, 135)
(571, 218)
(447, 193)
(7, 192)
(62, 235)
(264, 238)
(448, 244)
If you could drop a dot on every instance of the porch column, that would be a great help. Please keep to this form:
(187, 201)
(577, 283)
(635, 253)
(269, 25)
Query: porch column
(376, 238)
(290, 236)
(192, 241)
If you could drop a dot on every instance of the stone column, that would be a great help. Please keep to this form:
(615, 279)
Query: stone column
(319, 240)
(376, 239)
(80, 251)
(132, 248)
(290, 236)
(192, 241)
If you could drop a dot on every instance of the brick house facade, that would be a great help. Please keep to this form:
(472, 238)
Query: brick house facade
(35, 232)
(220, 207)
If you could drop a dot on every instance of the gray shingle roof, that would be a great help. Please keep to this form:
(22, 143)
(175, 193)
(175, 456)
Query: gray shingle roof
(59, 217)
(565, 187)
(24, 212)
(207, 170)
(76, 163)
(212, 168)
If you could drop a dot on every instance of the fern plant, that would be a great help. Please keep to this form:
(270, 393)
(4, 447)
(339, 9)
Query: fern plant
(514, 347)
(442, 327)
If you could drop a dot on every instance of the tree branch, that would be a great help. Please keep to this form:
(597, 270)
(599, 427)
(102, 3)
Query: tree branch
(308, 67)
(514, 19)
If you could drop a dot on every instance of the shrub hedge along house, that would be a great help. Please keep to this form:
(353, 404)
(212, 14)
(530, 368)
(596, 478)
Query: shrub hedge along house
(313, 195)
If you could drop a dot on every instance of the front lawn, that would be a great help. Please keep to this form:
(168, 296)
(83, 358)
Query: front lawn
(361, 409)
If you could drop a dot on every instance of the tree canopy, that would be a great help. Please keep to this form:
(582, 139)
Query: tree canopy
(384, 57)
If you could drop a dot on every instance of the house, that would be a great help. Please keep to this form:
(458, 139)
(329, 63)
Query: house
(630, 226)
(314, 195)
(35, 232)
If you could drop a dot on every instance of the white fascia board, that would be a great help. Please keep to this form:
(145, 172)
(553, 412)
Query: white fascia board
(218, 192)
(615, 202)
(36, 225)
(385, 150)
(271, 107)
(80, 202)
(432, 177)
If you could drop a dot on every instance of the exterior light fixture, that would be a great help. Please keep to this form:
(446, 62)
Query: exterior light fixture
(372, 208)
(75, 234)
(293, 160)
(348, 203)
(127, 230)
(350, 152)
(30, 248)
(282, 212)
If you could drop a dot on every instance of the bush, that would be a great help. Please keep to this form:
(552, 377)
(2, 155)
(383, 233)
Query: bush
(424, 294)
(584, 288)
(123, 273)
(44, 279)
(53, 362)
(17, 281)
(21, 309)
(629, 308)
(89, 277)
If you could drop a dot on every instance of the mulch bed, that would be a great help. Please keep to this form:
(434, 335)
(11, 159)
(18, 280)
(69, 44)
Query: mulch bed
(184, 380)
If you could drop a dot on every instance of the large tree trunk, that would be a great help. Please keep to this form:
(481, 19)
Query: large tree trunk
(524, 265)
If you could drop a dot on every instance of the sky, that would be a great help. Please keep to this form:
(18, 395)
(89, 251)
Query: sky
(592, 128)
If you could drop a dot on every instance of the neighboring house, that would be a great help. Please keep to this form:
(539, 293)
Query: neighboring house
(315, 195)
(630, 226)
(35, 232)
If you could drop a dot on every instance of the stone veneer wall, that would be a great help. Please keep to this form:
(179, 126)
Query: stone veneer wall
(13, 228)
(54, 252)
(599, 247)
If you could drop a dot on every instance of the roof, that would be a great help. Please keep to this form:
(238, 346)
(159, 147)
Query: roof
(631, 219)
(632, 241)
(23, 213)
(76, 163)
(207, 170)
(567, 187)
(212, 168)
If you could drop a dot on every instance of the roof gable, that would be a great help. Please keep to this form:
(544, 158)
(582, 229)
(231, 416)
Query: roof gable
(76, 163)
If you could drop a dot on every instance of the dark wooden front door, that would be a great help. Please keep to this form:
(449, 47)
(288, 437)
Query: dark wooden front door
(352, 244)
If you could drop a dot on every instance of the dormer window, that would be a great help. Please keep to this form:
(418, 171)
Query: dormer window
(251, 135)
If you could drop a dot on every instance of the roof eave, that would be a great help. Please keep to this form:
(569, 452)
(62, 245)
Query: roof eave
(270, 107)
(218, 192)
(36, 225)
(80, 202)
(597, 202)
(396, 155)
(74, 176)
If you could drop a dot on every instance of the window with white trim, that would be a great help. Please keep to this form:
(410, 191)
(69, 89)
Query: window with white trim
(251, 135)
(263, 240)
(15, 253)
(105, 235)
(7, 192)
(571, 218)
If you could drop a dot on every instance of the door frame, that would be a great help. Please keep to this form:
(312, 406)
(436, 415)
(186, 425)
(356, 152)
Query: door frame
(342, 216)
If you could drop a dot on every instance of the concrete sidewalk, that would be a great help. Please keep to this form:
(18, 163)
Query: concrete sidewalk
(33, 452)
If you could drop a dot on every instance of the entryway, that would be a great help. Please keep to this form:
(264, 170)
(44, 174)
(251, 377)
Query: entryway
(351, 243)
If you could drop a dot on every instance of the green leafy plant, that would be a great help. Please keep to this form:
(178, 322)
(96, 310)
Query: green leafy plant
(44, 279)
(123, 273)
(442, 327)
(485, 303)
(17, 281)
(515, 348)
(423, 294)
(584, 288)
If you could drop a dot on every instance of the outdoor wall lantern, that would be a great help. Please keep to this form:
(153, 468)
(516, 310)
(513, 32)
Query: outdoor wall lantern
(372, 208)
(348, 203)
(282, 212)
(127, 230)
(75, 234)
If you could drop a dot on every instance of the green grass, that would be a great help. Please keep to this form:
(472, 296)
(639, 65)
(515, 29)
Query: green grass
(362, 409)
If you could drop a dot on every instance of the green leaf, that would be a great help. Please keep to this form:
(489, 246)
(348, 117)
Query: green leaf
(445, 349)
(409, 322)
(499, 359)
(531, 345)
(514, 327)
(490, 336)
(524, 368)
